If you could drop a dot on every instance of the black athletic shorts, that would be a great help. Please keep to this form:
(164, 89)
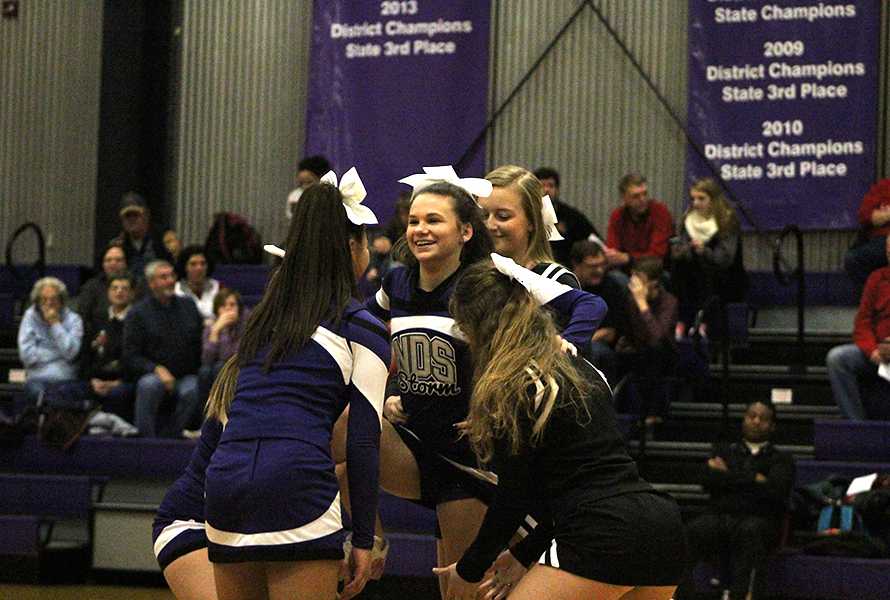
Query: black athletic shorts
(636, 539)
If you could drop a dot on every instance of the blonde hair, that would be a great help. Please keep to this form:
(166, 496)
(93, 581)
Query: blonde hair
(223, 391)
(515, 345)
(727, 220)
(530, 191)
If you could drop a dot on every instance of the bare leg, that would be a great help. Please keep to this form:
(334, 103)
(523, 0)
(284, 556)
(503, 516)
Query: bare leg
(305, 580)
(546, 582)
(646, 592)
(240, 581)
(190, 577)
(459, 521)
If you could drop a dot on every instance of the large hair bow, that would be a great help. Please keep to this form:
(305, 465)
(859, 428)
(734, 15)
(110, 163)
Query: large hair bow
(353, 191)
(472, 185)
(548, 213)
(541, 288)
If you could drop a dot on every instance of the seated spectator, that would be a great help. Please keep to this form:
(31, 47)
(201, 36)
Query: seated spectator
(92, 301)
(309, 170)
(853, 368)
(707, 256)
(572, 224)
(640, 227)
(750, 483)
(221, 337)
(194, 270)
(172, 243)
(103, 366)
(141, 243)
(648, 352)
(382, 242)
(162, 353)
(874, 217)
(589, 265)
(49, 338)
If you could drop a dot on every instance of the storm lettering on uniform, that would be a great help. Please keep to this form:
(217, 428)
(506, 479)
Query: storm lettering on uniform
(426, 365)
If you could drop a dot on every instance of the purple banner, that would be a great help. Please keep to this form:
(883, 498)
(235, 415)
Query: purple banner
(396, 86)
(783, 99)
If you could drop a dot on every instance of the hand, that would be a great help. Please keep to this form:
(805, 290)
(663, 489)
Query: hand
(358, 570)
(567, 347)
(393, 411)
(875, 356)
(638, 291)
(225, 319)
(884, 350)
(458, 588)
(718, 464)
(166, 377)
(880, 216)
(50, 315)
(100, 340)
(760, 478)
(501, 578)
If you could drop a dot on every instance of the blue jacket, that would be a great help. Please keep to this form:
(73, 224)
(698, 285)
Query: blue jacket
(49, 352)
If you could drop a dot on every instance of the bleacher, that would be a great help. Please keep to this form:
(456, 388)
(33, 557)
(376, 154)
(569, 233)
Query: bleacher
(94, 504)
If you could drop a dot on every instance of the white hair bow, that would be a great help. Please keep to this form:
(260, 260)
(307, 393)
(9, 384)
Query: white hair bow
(353, 191)
(472, 185)
(548, 213)
(541, 288)
(274, 250)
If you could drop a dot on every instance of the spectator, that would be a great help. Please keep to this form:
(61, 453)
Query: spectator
(853, 368)
(309, 170)
(874, 217)
(49, 338)
(589, 265)
(140, 242)
(221, 337)
(707, 256)
(162, 351)
(194, 270)
(648, 352)
(571, 223)
(92, 301)
(382, 243)
(749, 482)
(640, 227)
(103, 366)
(172, 243)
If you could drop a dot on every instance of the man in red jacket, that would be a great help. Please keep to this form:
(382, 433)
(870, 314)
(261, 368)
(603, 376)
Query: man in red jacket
(640, 227)
(874, 216)
(853, 368)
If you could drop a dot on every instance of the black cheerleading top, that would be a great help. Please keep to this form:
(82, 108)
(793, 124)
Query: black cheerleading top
(577, 458)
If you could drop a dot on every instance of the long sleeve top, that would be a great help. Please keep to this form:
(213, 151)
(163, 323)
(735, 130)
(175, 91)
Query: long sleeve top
(435, 369)
(735, 491)
(168, 335)
(227, 344)
(50, 351)
(304, 393)
(645, 237)
(872, 323)
(656, 325)
(878, 196)
(577, 459)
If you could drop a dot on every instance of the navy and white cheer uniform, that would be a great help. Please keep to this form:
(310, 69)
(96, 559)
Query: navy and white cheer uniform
(608, 524)
(435, 374)
(271, 489)
(179, 525)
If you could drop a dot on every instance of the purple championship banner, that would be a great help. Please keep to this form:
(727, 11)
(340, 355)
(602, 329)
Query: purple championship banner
(396, 86)
(783, 100)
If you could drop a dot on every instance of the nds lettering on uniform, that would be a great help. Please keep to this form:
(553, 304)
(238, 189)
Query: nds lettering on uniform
(427, 365)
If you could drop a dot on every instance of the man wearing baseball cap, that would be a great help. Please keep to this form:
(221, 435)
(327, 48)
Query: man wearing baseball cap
(140, 242)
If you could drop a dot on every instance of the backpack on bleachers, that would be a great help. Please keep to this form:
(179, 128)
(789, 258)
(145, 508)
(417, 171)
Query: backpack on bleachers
(232, 240)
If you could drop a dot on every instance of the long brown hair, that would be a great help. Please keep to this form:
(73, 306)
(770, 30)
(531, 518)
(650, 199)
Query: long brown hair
(314, 283)
(530, 192)
(514, 344)
(727, 220)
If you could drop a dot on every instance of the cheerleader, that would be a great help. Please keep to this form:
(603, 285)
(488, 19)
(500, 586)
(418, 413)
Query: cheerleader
(272, 505)
(546, 421)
